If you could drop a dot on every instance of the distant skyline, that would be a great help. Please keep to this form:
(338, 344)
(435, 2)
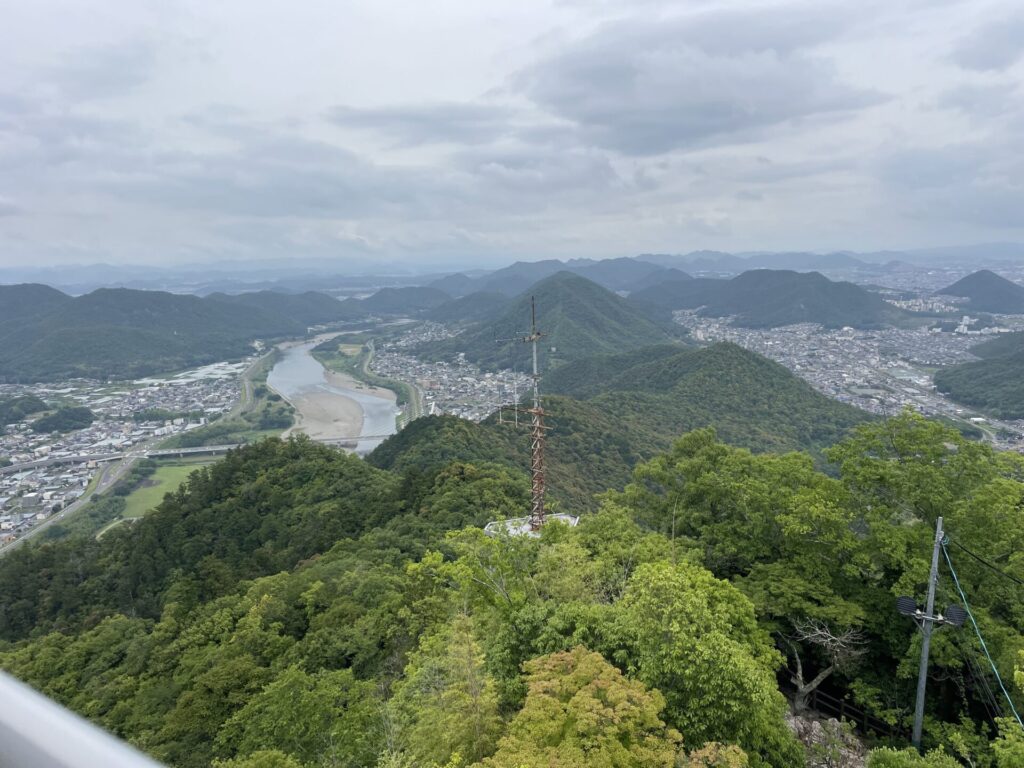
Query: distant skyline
(465, 133)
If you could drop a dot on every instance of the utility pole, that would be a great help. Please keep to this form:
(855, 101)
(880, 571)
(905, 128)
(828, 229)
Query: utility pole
(927, 622)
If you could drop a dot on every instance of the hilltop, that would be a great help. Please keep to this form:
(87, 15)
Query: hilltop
(27, 300)
(607, 412)
(119, 332)
(309, 308)
(666, 390)
(988, 292)
(621, 274)
(471, 308)
(765, 298)
(398, 301)
(578, 317)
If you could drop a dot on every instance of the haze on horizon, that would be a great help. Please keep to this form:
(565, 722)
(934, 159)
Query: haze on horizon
(460, 132)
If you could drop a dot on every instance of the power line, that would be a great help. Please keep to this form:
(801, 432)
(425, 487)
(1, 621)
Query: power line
(981, 639)
(987, 564)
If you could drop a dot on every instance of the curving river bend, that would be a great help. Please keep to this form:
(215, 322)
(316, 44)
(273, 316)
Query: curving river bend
(332, 406)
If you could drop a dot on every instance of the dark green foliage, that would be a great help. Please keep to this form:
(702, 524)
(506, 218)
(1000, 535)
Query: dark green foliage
(117, 333)
(17, 408)
(472, 308)
(403, 301)
(294, 606)
(65, 420)
(663, 391)
(18, 302)
(309, 308)
(766, 298)
(669, 275)
(257, 511)
(456, 285)
(579, 319)
(988, 292)
(995, 385)
(1002, 345)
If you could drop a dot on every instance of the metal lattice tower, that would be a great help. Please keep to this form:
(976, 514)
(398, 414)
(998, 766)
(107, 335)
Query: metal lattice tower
(537, 429)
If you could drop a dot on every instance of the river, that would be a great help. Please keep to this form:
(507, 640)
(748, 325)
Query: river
(331, 405)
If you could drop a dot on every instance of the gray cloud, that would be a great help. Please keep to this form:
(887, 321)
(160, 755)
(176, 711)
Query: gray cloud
(104, 71)
(580, 130)
(653, 85)
(995, 45)
(983, 101)
(457, 123)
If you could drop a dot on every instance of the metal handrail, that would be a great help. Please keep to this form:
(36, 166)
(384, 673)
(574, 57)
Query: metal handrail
(37, 732)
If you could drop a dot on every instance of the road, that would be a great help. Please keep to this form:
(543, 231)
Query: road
(114, 466)
(106, 476)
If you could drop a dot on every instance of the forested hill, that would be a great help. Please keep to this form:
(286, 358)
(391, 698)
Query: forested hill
(308, 308)
(578, 318)
(294, 607)
(766, 298)
(750, 400)
(607, 413)
(121, 333)
(995, 384)
(27, 299)
(468, 309)
(988, 292)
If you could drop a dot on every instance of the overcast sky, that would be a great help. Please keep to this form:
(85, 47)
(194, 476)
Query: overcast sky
(476, 131)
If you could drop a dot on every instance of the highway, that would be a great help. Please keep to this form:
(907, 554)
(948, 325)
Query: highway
(108, 474)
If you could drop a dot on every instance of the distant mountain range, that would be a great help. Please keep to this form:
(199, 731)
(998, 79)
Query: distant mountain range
(621, 274)
(309, 308)
(471, 308)
(397, 301)
(988, 292)
(578, 317)
(769, 298)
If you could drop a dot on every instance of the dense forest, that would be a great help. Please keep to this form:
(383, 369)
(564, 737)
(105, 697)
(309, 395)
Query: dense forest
(293, 606)
(644, 400)
(995, 384)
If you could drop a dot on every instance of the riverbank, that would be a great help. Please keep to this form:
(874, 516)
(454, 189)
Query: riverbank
(330, 405)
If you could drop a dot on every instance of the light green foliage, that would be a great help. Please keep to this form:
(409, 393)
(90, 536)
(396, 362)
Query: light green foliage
(270, 758)
(289, 603)
(695, 638)
(446, 704)
(327, 717)
(716, 755)
(909, 758)
(581, 712)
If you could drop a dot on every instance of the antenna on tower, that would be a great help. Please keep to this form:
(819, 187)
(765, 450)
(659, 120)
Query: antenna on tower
(536, 430)
(538, 515)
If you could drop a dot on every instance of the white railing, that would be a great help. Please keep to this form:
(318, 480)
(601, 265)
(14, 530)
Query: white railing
(37, 732)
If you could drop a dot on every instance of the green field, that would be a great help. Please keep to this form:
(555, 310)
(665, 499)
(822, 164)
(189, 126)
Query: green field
(167, 478)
